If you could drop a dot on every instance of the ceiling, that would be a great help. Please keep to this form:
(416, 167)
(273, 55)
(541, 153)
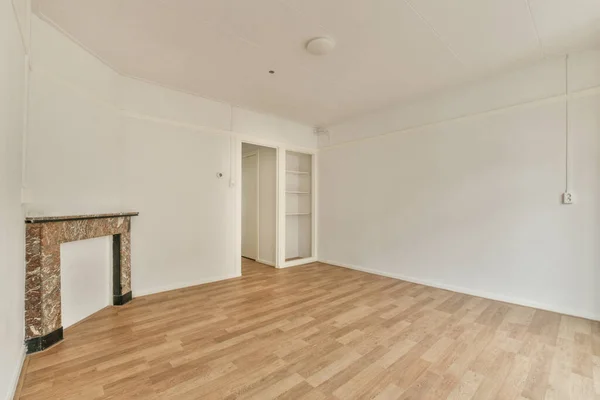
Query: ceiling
(387, 50)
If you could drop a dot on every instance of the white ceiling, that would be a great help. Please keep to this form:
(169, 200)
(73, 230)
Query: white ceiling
(387, 50)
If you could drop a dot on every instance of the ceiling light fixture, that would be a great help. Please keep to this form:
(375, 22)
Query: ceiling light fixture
(320, 46)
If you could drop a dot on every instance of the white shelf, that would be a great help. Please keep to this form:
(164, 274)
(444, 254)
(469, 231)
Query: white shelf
(299, 191)
(298, 172)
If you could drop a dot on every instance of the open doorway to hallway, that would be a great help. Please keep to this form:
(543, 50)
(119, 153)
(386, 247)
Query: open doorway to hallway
(259, 205)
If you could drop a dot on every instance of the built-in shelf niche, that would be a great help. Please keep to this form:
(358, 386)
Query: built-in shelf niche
(298, 201)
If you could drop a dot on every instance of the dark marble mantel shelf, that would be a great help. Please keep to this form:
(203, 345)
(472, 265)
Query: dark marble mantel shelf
(37, 220)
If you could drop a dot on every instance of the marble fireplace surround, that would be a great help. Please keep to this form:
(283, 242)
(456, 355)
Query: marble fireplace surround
(44, 235)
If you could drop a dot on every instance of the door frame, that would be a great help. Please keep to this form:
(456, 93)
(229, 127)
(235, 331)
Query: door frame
(257, 211)
(237, 156)
(280, 174)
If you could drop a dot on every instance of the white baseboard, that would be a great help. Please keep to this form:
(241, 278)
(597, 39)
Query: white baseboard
(16, 376)
(300, 261)
(269, 263)
(473, 292)
(181, 285)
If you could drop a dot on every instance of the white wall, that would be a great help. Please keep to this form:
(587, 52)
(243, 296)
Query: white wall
(272, 128)
(12, 269)
(100, 142)
(463, 190)
(81, 263)
(184, 232)
(543, 80)
(74, 150)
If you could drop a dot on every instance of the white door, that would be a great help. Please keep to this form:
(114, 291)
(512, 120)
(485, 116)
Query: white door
(250, 206)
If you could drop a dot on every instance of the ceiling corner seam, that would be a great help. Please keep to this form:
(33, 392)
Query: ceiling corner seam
(72, 38)
(436, 33)
(535, 28)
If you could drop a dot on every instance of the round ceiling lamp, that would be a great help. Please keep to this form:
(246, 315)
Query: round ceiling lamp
(320, 46)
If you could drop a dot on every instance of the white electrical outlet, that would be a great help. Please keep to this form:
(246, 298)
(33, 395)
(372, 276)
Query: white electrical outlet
(567, 198)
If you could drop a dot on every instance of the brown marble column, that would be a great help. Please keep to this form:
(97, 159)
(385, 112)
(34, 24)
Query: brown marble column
(33, 282)
(126, 262)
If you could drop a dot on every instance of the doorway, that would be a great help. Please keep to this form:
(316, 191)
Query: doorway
(259, 207)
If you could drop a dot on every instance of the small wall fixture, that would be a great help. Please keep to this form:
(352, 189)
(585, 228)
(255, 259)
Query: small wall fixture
(320, 46)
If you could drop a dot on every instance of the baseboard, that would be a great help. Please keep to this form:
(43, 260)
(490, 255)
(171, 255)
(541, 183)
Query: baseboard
(269, 263)
(472, 292)
(16, 377)
(41, 343)
(298, 262)
(181, 285)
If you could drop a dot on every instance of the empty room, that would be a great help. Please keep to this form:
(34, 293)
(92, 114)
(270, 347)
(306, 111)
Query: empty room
(300, 199)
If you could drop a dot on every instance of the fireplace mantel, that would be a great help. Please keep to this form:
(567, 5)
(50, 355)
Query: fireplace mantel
(44, 235)
(38, 220)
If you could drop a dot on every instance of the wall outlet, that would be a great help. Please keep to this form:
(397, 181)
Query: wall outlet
(567, 198)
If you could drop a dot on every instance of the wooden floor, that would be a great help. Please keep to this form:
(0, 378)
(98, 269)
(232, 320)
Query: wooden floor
(319, 332)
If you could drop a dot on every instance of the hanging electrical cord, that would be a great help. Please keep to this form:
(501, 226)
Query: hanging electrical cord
(232, 161)
(232, 151)
(567, 123)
